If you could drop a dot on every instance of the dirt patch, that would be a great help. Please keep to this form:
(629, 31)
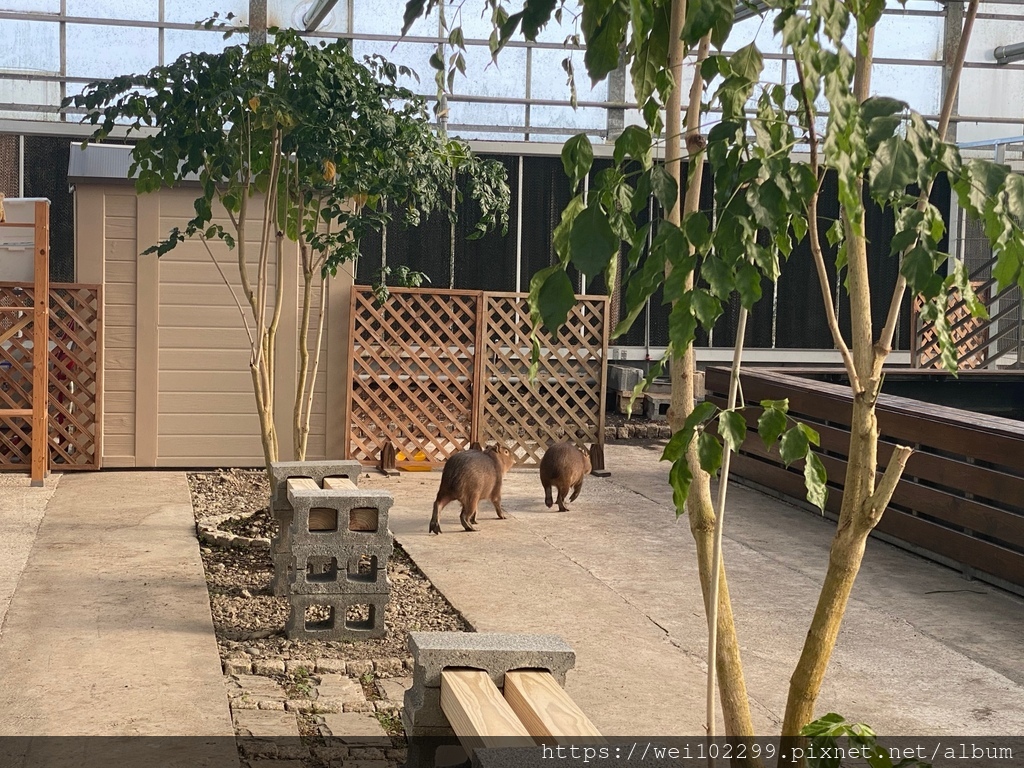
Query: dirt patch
(246, 615)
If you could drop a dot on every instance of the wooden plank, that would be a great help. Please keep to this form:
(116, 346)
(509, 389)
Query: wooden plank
(40, 350)
(339, 484)
(477, 712)
(547, 711)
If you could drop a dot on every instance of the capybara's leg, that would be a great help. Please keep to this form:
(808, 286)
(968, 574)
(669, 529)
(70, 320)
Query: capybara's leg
(563, 491)
(496, 501)
(439, 505)
(468, 516)
(547, 496)
(576, 490)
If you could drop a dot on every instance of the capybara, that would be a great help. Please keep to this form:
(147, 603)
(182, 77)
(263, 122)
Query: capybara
(468, 477)
(564, 466)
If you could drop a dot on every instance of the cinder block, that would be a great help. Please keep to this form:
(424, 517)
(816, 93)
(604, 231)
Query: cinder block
(336, 626)
(281, 471)
(494, 652)
(323, 568)
(623, 378)
(338, 515)
(284, 572)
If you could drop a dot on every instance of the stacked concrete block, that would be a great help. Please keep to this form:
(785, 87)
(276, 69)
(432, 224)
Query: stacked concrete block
(331, 552)
(281, 509)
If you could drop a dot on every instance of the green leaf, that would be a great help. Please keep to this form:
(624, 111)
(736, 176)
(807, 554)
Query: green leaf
(682, 325)
(747, 63)
(892, 170)
(706, 307)
(815, 478)
(709, 452)
(811, 434)
(748, 284)
(794, 445)
(604, 27)
(918, 268)
(733, 428)
(577, 158)
(698, 231)
(555, 298)
(664, 186)
(592, 243)
(679, 477)
(715, 16)
(719, 276)
(771, 423)
(634, 142)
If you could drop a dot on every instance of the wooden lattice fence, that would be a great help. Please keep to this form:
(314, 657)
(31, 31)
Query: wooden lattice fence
(74, 364)
(418, 382)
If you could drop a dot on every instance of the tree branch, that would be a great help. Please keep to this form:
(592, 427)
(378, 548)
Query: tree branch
(876, 503)
(245, 320)
(815, 241)
(884, 344)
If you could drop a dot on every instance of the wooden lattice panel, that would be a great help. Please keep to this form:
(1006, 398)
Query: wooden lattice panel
(75, 344)
(75, 327)
(16, 375)
(566, 402)
(413, 362)
(969, 334)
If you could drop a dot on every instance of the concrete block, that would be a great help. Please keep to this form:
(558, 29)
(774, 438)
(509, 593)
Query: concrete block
(281, 471)
(284, 573)
(326, 567)
(623, 378)
(338, 505)
(494, 652)
(336, 626)
(656, 406)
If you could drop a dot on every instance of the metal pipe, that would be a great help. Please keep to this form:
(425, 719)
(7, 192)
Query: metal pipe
(315, 16)
(1006, 53)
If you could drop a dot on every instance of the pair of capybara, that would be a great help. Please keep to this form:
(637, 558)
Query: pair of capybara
(473, 475)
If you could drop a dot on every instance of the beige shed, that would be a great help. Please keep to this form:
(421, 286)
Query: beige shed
(177, 391)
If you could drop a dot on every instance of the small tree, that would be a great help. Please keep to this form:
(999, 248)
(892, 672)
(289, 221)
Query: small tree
(324, 147)
(702, 258)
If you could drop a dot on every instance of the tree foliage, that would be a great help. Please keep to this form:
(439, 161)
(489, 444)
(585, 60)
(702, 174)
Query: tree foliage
(329, 149)
(766, 204)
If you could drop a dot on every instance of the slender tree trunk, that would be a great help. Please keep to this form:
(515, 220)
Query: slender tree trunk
(300, 425)
(732, 687)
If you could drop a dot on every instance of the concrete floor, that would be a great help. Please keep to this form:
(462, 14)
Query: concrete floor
(922, 651)
(109, 631)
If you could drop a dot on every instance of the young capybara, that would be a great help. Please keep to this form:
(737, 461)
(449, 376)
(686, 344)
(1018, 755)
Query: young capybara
(564, 466)
(468, 477)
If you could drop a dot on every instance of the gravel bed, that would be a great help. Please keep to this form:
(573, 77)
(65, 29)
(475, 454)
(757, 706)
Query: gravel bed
(249, 619)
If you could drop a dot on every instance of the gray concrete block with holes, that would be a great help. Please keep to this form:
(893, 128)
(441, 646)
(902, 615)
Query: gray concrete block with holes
(341, 518)
(325, 617)
(321, 568)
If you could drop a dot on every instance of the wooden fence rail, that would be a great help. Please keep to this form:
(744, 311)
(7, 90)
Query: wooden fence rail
(961, 500)
(434, 371)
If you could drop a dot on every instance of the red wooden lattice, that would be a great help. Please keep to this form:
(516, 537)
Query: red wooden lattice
(418, 382)
(74, 362)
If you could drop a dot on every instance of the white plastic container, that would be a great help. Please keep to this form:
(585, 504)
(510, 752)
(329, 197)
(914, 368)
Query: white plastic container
(17, 244)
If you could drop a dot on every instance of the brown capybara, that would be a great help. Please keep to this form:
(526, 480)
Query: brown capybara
(468, 477)
(564, 466)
